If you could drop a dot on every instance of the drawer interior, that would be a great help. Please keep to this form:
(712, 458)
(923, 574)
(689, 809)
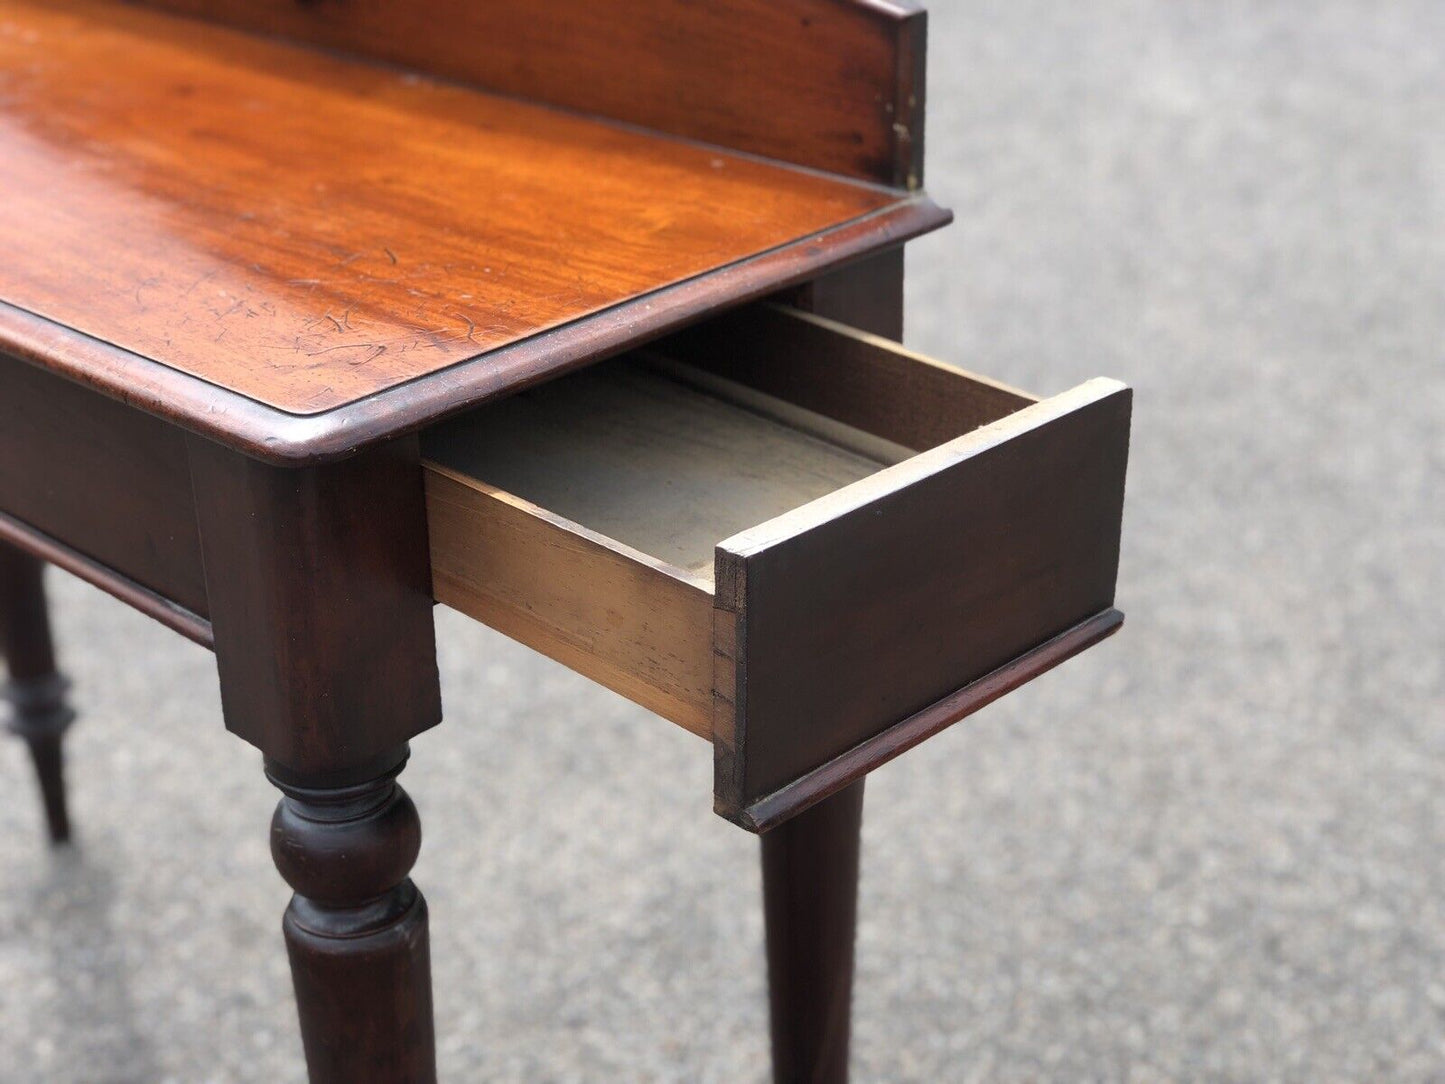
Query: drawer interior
(657, 456)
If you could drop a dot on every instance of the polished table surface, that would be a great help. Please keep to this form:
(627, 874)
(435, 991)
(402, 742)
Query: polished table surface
(305, 232)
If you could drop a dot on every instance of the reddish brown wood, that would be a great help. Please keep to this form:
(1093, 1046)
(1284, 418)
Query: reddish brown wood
(308, 258)
(295, 440)
(104, 479)
(832, 84)
(810, 902)
(356, 930)
(322, 612)
(321, 606)
(299, 240)
(36, 690)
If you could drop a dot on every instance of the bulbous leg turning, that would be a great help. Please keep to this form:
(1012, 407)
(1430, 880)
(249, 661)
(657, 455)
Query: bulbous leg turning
(356, 930)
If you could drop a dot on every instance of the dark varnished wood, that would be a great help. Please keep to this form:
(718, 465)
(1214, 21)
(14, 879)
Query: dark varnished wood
(356, 930)
(861, 610)
(321, 605)
(296, 261)
(286, 226)
(832, 84)
(35, 689)
(322, 614)
(866, 294)
(306, 258)
(25, 638)
(52, 551)
(106, 481)
(856, 586)
(810, 905)
(851, 766)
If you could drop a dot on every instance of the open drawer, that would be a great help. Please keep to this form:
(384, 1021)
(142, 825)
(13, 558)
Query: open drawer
(793, 538)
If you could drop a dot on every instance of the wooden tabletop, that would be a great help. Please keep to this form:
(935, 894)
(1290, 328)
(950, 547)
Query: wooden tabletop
(297, 253)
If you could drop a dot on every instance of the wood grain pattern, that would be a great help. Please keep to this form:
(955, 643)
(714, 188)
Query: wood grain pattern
(865, 607)
(618, 616)
(109, 482)
(581, 518)
(282, 439)
(307, 231)
(832, 84)
(573, 517)
(873, 613)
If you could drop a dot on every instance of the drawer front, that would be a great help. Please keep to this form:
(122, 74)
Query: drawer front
(864, 609)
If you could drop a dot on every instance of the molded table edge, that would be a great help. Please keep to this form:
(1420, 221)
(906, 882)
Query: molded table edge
(285, 439)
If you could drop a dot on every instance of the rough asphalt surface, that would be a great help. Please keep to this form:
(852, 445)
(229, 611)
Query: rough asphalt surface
(1210, 850)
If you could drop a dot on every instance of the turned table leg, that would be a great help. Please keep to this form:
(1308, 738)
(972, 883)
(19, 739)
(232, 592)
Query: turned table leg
(356, 930)
(36, 691)
(318, 585)
(810, 901)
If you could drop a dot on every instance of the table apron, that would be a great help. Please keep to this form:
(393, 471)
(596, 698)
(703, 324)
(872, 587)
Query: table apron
(101, 489)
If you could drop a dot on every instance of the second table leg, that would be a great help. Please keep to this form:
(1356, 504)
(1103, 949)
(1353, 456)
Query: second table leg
(35, 689)
(810, 901)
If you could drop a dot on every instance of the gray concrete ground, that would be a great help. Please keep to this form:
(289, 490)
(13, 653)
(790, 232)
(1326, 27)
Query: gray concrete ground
(1208, 850)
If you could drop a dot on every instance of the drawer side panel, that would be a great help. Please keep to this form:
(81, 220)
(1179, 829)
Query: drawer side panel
(551, 585)
(840, 372)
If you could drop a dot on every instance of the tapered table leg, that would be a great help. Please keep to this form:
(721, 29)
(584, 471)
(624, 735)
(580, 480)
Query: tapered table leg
(356, 930)
(810, 900)
(35, 689)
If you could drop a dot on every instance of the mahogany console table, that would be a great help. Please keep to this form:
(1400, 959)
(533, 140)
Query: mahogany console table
(580, 318)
